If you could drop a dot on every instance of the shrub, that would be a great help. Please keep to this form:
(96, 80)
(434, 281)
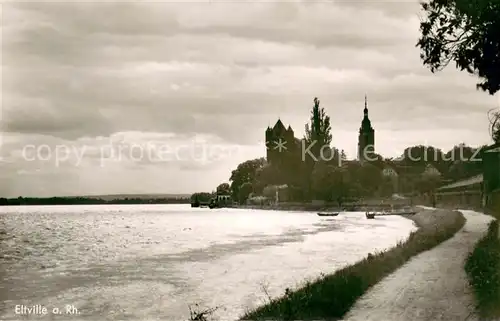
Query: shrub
(483, 270)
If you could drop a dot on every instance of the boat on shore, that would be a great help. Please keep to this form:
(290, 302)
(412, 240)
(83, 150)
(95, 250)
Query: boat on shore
(328, 214)
(370, 215)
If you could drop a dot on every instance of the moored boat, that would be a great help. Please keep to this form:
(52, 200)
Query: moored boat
(328, 214)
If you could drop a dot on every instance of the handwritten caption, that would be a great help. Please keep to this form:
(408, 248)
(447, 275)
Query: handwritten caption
(38, 309)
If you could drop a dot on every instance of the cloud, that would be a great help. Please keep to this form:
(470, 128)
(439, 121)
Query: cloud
(83, 74)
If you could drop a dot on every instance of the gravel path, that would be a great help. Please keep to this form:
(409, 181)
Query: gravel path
(431, 286)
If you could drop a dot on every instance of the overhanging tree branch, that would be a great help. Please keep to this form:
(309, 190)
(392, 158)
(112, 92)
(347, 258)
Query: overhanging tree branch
(464, 31)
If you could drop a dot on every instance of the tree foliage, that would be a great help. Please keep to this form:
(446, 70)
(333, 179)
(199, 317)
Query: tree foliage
(246, 172)
(201, 197)
(370, 178)
(244, 192)
(329, 182)
(494, 117)
(427, 183)
(466, 32)
(223, 188)
(268, 175)
(387, 187)
(319, 129)
(496, 133)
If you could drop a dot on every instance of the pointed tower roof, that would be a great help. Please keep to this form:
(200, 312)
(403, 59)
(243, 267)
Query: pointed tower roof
(289, 128)
(279, 125)
(366, 124)
(365, 111)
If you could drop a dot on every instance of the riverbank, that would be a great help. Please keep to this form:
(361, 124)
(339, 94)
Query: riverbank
(332, 296)
(432, 286)
(310, 207)
(299, 207)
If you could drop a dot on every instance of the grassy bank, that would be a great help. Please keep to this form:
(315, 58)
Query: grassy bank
(483, 269)
(330, 297)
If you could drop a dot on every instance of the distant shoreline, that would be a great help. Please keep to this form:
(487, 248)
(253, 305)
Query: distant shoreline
(36, 201)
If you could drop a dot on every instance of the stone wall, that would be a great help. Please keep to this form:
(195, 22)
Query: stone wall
(460, 199)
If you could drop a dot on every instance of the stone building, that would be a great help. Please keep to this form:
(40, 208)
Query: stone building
(282, 146)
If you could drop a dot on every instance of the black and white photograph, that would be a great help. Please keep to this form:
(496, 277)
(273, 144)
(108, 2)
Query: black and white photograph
(236, 160)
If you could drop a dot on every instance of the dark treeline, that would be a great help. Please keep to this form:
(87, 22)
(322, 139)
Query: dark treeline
(202, 197)
(87, 201)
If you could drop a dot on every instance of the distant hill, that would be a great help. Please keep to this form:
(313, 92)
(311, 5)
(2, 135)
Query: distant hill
(99, 199)
(136, 196)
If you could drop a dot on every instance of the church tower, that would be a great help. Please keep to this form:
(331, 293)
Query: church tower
(366, 138)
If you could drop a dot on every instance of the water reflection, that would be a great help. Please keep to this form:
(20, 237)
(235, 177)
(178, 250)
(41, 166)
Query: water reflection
(151, 261)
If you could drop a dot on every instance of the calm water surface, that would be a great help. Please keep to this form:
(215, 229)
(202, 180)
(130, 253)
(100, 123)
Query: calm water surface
(150, 262)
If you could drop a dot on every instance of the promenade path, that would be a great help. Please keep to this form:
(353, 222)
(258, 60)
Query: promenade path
(431, 286)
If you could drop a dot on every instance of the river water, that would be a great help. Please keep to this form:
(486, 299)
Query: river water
(151, 262)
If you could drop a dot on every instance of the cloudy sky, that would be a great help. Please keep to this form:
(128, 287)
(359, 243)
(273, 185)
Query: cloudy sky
(117, 97)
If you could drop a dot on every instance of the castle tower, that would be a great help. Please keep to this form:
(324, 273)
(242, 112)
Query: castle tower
(276, 134)
(366, 138)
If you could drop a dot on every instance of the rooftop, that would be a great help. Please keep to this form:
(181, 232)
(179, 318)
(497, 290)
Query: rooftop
(466, 182)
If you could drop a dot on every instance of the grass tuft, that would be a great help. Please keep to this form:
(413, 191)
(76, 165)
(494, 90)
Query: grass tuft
(198, 314)
(483, 270)
(330, 297)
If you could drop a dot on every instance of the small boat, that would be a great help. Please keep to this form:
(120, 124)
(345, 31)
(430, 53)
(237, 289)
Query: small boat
(328, 214)
(370, 215)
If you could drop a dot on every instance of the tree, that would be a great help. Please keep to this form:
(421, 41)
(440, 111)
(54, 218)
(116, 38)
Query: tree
(223, 188)
(387, 187)
(329, 183)
(370, 178)
(201, 197)
(341, 186)
(420, 156)
(246, 172)
(244, 192)
(376, 160)
(494, 117)
(462, 162)
(321, 181)
(267, 175)
(318, 132)
(466, 32)
(427, 183)
(496, 134)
